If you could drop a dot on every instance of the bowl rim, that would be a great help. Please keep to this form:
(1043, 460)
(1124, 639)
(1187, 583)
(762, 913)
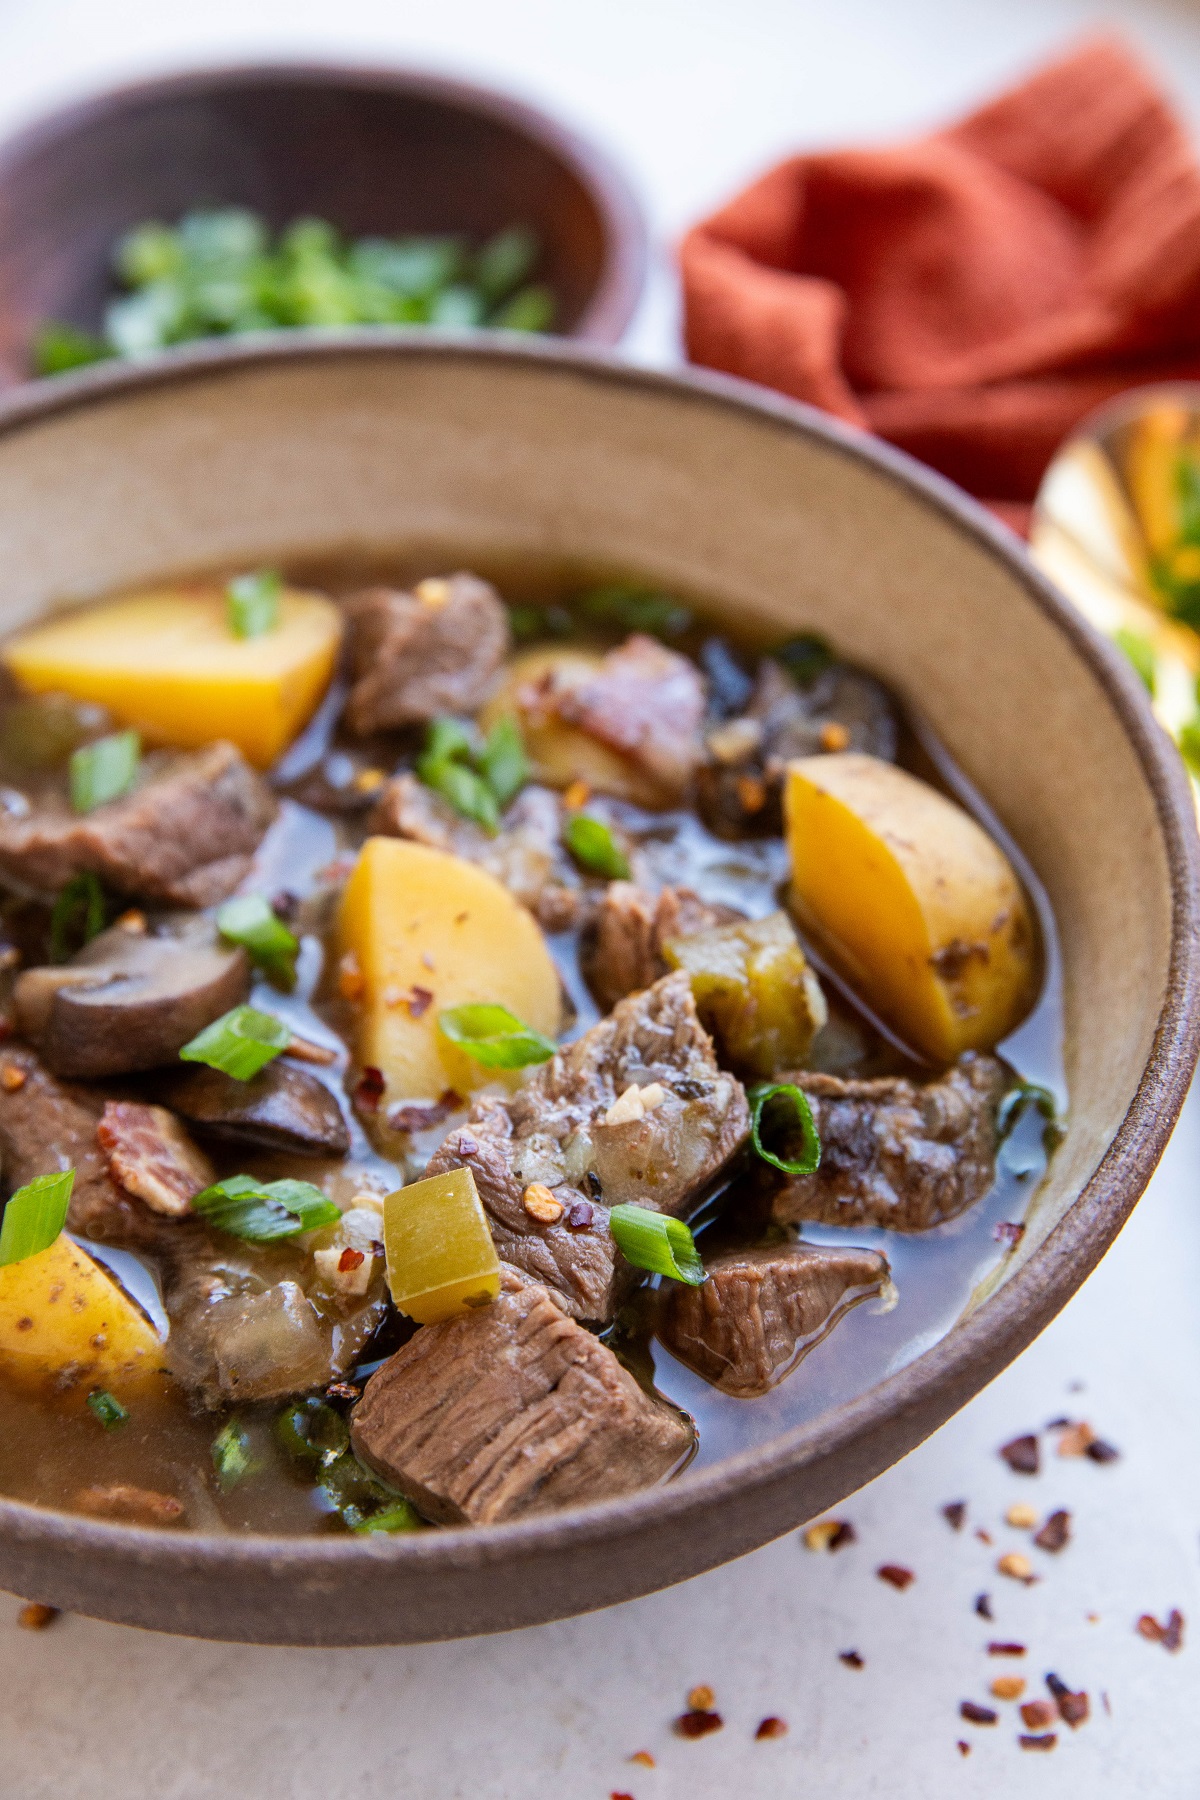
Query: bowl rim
(622, 278)
(974, 1349)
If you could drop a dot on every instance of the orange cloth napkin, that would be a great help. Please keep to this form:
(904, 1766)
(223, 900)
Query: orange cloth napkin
(971, 295)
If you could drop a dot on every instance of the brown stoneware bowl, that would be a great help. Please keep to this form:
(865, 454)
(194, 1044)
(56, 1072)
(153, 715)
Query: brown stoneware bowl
(289, 450)
(375, 151)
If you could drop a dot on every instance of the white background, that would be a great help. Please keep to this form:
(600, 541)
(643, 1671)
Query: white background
(694, 98)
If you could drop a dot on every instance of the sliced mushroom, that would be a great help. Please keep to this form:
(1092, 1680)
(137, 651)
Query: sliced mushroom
(282, 1108)
(131, 999)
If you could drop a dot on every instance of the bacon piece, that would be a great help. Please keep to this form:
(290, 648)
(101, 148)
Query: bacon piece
(644, 701)
(130, 1505)
(151, 1155)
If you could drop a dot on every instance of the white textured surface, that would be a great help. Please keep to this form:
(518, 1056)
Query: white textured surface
(695, 95)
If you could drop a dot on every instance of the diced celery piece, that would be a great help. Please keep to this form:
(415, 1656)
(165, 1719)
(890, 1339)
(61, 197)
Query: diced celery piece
(754, 992)
(441, 1260)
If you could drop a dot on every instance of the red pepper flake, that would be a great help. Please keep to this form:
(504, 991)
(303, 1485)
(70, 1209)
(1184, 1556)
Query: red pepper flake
(697, 1723)
(35, 1617)
(1037, 1713)
(615, 1795)
(1006, 1649)
(466, 1145)
(423, 1115)
(852, 1659)
(955, 1514)
(579, 1215)
(1009, 1232)
(343, 1390)
(983, 1605)
(419, 1001)
(1045, 1741)
(976, 1714)
(368, 1090)
(1100, 1452)
(1073, 1709)
(350, 1259)
(1077, 1436)
(1022, 1454)
(771, 1728)
(1055, 1534)
(964, 1749)
(895, 1575)
(1170, 1635)
(643, 1759)
(985, 1537)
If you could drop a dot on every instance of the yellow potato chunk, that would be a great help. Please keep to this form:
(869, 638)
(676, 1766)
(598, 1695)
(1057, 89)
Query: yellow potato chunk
(912, 901)
(167, 663)
(560, 753)
(64, 1320)
(423, 931)
(440, 1256)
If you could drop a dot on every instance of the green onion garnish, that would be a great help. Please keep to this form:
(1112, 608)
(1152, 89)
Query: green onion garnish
(502, 761)
(651, 1240)
(250, 921)
(231, 1455)
(252, 603)
(628, 607)
(311, 1431)
(57, 348)
(35, 1216)
(529, 622)
(401, 1515)
(504, 262)
(240, 1043)
(262, 1212)
(595, 848)
(494, 1036)
(106, 1408)
(1022, 1095)
(810, 1154)
(79, 912)
(1139, 651)
(103, 771)
(805, 657)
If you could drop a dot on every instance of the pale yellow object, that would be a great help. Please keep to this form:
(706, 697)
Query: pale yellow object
(912, 901)
(1021, 1515)
(64, 1322)
(1151, 461)
(167, 663)
(420, 922)
(441, 1260)
(561, 755)
(1083, 497)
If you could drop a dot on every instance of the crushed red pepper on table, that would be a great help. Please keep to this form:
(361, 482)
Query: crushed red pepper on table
(1037, 1713)
(1046, 1741)
(829, 1534)
(643, 1759)
(697, 1723)
(895, 1575)
(983, 1606)
(1022, 1454)
(964, 1749)
(1000, 1649)
(771, 1727)
(976, 1714)
(852, 1659)
(1170, 1635)
(955, 1513)
(1055, 1534)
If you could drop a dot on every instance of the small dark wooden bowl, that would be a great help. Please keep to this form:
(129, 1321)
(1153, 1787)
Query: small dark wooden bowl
(375, 151)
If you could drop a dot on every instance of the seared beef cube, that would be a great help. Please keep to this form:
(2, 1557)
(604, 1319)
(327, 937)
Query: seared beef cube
(761, 1311)
(739, 786)
(413, 656)
(645, 702)
(281, 1108)
(47, 1125)
(512, 1410)
(526, 854)
(635, 1110)
(623, 940)
(186, 833)
(896, 1152)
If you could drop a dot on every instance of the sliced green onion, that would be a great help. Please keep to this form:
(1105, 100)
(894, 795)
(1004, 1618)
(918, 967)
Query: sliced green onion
(263, 1212)
(361, 1502)
(312, 1431)
(231, 1454)
(805, 657)
(629, 607)
(810, 1154)
(401, 1515)
(103, 771)
(594, 847)
(250, 921)
(533, 309)
(58, 348)
(107, 1409)
(467, 792)
(494, 1036)
(1139, 651)
(502, 761)
(530, 622)
(651, 1240)
(1025, 1094)
(35, 1216)
(252, 603)
(239, 1043)
(504, 262)
(79, 911)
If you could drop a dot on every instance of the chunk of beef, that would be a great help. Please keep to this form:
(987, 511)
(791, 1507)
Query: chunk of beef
(413, 656)
(739, 787)
(644, 701)
(761, 1311)
(185, 833)
(512, 1410)
(526, 854)
(281, 1108)
(577, 1129)
(624, 935)
(898, 1153)
(47, 1125)
(151, 1156)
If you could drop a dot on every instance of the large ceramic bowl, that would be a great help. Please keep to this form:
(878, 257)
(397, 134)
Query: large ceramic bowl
(790, 520)
(375, 151)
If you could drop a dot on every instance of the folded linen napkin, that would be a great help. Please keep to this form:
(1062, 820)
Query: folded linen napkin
(971, 295)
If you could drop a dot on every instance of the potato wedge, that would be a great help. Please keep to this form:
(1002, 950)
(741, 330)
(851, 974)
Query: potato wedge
(560, 753)
(428, 931)
(912, 901)
(66, 1325)
(167, 663)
